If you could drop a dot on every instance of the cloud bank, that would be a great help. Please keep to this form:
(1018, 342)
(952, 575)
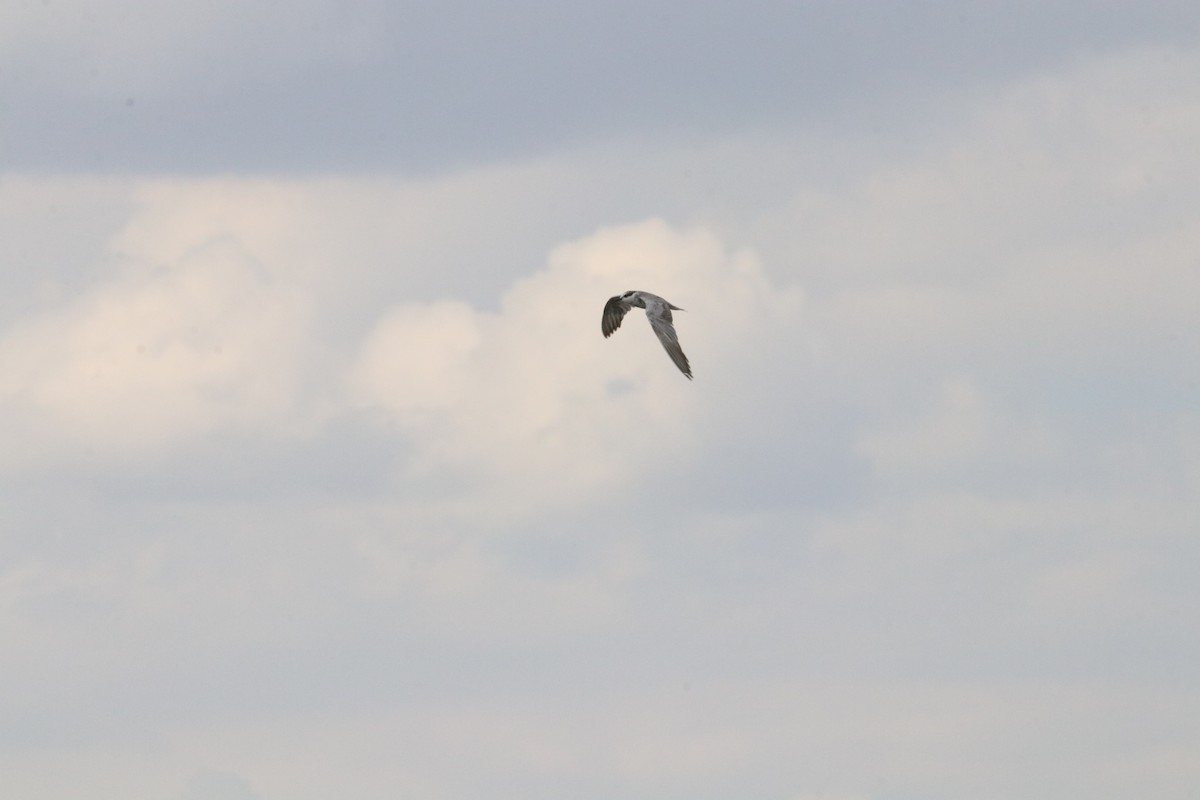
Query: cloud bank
(328, 484)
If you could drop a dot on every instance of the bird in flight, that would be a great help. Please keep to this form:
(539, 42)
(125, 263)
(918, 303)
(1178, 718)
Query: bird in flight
(658, 312)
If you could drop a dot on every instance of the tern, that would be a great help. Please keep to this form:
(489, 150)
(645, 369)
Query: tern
(658, 312)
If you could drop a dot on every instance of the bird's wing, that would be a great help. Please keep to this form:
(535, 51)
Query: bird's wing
(659, 314)
(614, 311)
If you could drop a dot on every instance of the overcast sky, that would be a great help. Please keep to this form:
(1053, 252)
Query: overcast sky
(318, 479)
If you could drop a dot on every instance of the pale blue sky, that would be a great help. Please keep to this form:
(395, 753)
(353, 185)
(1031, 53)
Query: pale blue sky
(425, 86)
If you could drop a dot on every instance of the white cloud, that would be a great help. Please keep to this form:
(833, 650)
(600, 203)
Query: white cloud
(533, 400)
(977, 423)
(1080, 157)
(962, 430)
(159, 354)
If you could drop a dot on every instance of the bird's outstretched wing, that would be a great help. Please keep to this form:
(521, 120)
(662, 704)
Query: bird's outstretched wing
(614, 311)
(659, 315)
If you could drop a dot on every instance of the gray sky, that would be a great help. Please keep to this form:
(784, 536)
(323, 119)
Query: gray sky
(320, 480)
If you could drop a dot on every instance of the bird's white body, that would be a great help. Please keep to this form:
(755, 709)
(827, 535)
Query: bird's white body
(658, 312)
